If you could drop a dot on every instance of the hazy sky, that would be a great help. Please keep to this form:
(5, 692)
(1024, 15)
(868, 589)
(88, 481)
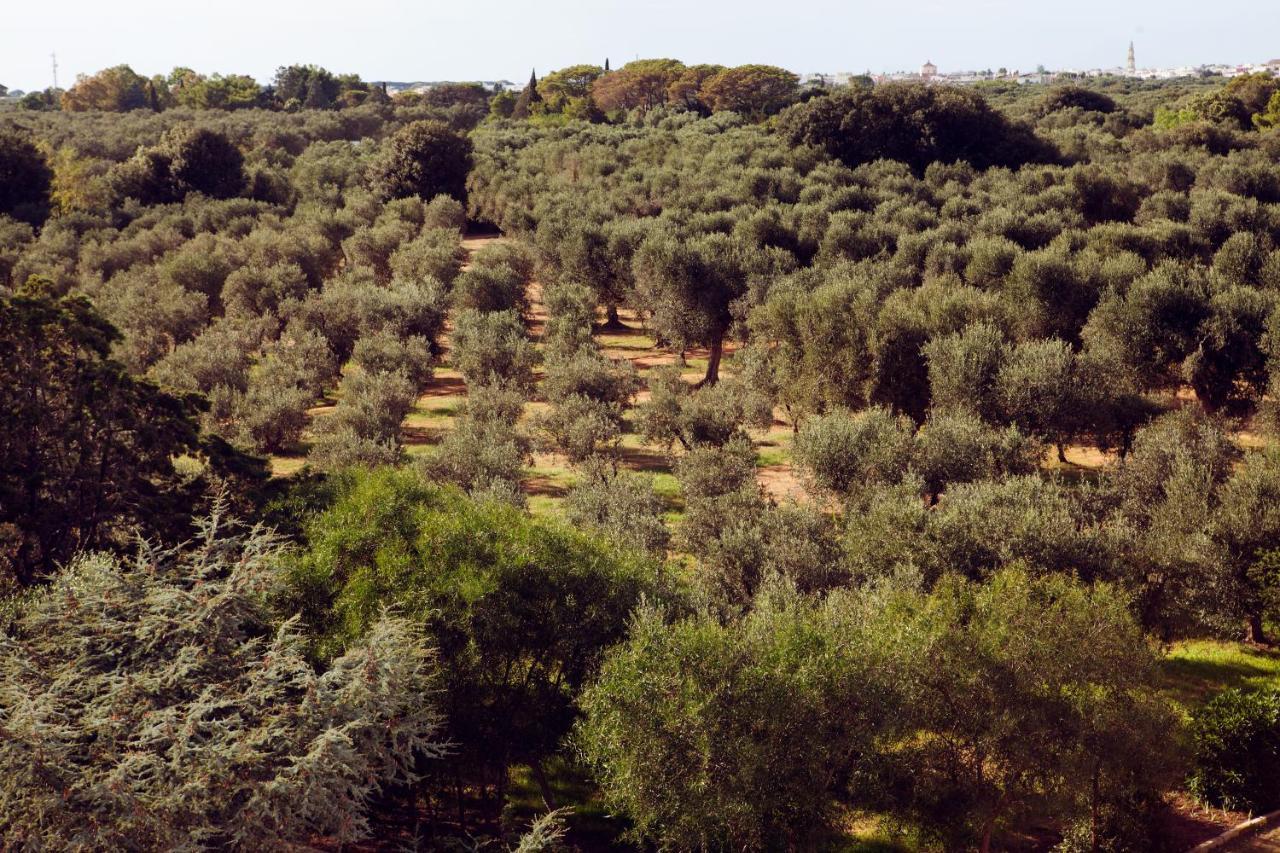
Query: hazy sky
(431, 40)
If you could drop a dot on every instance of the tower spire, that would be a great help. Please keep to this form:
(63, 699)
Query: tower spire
(1132, 65)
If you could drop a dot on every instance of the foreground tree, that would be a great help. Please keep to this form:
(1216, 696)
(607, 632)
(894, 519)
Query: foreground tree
(87, 451)
(712, 736)
(209, 727)
(519, 609)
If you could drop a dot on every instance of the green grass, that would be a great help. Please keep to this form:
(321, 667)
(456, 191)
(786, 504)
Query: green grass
(590, 824)
(769, 454)
(1195, 670)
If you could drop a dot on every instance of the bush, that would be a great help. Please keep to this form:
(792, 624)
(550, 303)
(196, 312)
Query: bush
(490, 287)
(959, 447)
(582, 427)
(588, 373)
(209, 727)
(844, 453)
(480, 455)
(434, 255)
(364, 428)
(385, 352)
(520, 609)
(623, 507)
(694, 417)
(1235, 743)
(492, 348)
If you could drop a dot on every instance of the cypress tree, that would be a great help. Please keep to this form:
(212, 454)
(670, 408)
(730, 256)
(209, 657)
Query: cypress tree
(606, 65)
(529, 97)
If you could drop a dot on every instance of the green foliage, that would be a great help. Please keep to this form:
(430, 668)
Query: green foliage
(519, 610)
(710, 415)
(711, 735)
(87, 450)
(423, 159)
(364, 428)
(844, 453)
(493, 348)
(1035, 694)
(1075, 97)
(185, 160)
(915, 124)
(622, 507)
(209, 726)
(1235, 742)
(25, 179)
(947, 709)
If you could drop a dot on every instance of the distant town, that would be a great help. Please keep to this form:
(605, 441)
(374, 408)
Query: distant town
(929, 72)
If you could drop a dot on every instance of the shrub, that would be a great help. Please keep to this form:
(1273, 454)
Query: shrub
(384, 352)
(959, 447)
(490, 287)
(678, 412)
(623, 507)
(520, 609)
(209, 727)
(844, 453)
(435, 254)
(588, 373)
(1235, 743)
(480, 455)
(493, 348)
(364, 428)
(445, 211)
(571, 312)
(582, 427)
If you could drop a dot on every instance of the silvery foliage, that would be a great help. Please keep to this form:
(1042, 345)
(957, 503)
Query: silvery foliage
(151, 704)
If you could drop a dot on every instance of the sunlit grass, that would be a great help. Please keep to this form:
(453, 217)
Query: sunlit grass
(1194, 671)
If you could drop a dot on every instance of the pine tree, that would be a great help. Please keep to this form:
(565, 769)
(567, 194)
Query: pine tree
(529, 97)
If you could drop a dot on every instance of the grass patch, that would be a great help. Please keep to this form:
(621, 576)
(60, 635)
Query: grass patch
(590, 825)
(1195, 670)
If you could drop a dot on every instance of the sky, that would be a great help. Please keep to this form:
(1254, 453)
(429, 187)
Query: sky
(404, 40)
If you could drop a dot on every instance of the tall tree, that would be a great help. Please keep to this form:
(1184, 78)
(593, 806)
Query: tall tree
(423, 159)
(87, 452)
(25, 179)
(116, 89)
(530, 96)
(753, 90)
(641, 84)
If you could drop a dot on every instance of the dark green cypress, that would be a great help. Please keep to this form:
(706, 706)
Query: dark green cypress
(528, 98)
